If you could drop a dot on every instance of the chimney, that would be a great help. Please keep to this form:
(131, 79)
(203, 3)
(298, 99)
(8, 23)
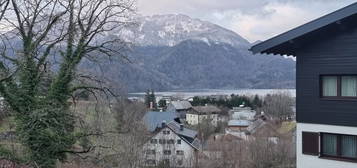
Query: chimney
(181, 127)
(151, 105)
(163, 124)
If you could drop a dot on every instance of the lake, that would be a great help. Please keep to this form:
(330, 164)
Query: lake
(208, 92)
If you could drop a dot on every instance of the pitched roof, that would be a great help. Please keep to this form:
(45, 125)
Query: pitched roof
(174, 126)
(181, 105)
(154, 119)
(188, 135)
(206, 109)
(281, 44)
(255, 126)
(196, 143)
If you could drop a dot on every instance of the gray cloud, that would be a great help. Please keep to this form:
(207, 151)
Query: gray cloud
(253, 19)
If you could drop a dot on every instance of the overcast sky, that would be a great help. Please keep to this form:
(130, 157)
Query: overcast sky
(252, 19)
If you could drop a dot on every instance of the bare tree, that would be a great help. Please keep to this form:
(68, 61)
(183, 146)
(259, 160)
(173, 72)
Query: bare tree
(127, 134)
(42, 30)
(3, 7)
(278, 105)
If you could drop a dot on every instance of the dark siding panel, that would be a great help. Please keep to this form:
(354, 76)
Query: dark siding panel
(337, 55)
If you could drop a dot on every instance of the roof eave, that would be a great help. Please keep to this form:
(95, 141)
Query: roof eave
(267, 46)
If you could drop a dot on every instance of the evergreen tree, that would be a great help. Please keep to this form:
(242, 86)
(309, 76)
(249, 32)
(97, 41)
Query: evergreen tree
(153, 99)
(162, 103)
(147, 98)
(257, 102)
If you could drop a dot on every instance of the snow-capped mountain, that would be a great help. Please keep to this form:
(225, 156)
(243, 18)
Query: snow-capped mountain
(178, 52)
(170, 30)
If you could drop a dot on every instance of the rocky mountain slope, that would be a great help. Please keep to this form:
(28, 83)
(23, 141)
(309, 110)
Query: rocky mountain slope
(170, 30)
(178, 52)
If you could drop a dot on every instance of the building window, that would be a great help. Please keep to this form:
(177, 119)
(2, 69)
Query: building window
(166, 162)
(179, 141)
(349, 86)
(339, 86)
(150, 162)
(349, 146)
(153, 141)
(171, 141)
(339, 146)
(329, 86)
(179, 162)
(167, 152)
(162, 141)
(329, 144)
(179, 152)
(151, 152)
(166, 132)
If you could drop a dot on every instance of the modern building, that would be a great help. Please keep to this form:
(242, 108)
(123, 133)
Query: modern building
(326, 87)
(172, 145)
(198, 114)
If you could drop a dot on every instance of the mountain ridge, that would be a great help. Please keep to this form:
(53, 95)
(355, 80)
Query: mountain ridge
(171, 29)
(206, 56)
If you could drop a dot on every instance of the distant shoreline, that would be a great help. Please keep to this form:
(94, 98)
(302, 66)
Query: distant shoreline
(208, 92)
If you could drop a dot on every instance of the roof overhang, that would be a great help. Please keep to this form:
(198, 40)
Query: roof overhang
(288, 42)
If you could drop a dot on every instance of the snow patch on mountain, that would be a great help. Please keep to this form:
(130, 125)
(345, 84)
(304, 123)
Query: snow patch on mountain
(170, 30)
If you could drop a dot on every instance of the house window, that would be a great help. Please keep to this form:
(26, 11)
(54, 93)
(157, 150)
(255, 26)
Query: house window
(171, 141)
(151, 152)
(349, 86)
(179, 152)
(329, 86)
(153, 141)
(339, 86)
(179, 141)
(349, 146)
(167, 152)
(166, 162)
(339, 146)
(329, 144)
(166, 132)
(162, 141)
(150, 162)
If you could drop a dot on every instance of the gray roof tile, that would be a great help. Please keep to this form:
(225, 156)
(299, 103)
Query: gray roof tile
(154, 119)
(185, 132)
(181, 105)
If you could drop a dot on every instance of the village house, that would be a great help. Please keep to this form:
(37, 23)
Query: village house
(172, 145)
(167, 99)
(198, 114)
(238, 125)
(242, 113)
(180, 107)
(326, 87)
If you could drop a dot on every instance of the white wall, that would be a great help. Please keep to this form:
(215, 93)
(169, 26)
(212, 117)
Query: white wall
(194, 119)
(308, 161)
(243, 115)
(189, 152)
